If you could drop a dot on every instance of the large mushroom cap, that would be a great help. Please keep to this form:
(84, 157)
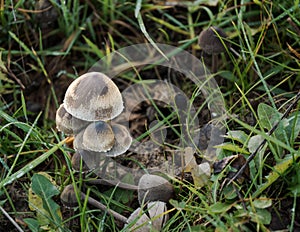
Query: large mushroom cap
(97, 136)
(93, 97)
(212, 40)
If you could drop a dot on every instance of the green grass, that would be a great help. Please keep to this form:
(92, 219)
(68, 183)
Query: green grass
(37, 62)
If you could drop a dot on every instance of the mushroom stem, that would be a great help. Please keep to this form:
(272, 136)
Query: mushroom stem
(214, 64)
(114, 183)
(238, 55)
(100, 206)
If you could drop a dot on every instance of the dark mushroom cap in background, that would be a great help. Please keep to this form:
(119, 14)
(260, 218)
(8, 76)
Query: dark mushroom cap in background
(212, 40)
(68, 196)
(93, 97)
(97, 136)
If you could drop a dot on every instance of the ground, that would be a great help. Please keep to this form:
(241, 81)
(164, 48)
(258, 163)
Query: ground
(45, 45)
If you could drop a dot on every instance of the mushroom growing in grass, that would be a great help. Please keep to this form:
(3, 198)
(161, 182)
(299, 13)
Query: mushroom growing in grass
(93, 97)
(154, 188)
(213, 42)
(100, 137)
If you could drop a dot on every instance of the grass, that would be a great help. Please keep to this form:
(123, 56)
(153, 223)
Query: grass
(38, 60)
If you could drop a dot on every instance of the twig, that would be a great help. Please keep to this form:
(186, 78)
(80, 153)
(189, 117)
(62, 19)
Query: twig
(102, 207)
(11, 220)
(251, 157)
(114, 183)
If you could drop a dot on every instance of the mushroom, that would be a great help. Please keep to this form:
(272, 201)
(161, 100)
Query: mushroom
(69, 199)
(110, 142)
(93, 97)
(151, 220)
(67, 123)
(46, 13)
(63, 120)
(213, 42)
(122, 141)
(97, 136)
(154, 188)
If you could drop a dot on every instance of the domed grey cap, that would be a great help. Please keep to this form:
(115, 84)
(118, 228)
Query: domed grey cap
(93, 97)
(121, 142)
(67, 123)
(154, 188)
(212, 40)
(63, 120)
(97, 136)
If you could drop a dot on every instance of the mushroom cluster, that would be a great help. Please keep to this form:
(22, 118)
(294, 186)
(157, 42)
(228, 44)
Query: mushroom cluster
(153, 194)
(90, 102)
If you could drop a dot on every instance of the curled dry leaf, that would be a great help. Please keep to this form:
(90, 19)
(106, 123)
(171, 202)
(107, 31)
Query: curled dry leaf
(236, 162)
(153, 219)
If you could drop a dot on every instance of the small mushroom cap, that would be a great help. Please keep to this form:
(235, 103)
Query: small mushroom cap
(93, 97)
(154, 209)
(123, 141)
(154, 188)
(212, 40)
(68, 196)
(67, 123)
(97, 136)
(63, 120)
